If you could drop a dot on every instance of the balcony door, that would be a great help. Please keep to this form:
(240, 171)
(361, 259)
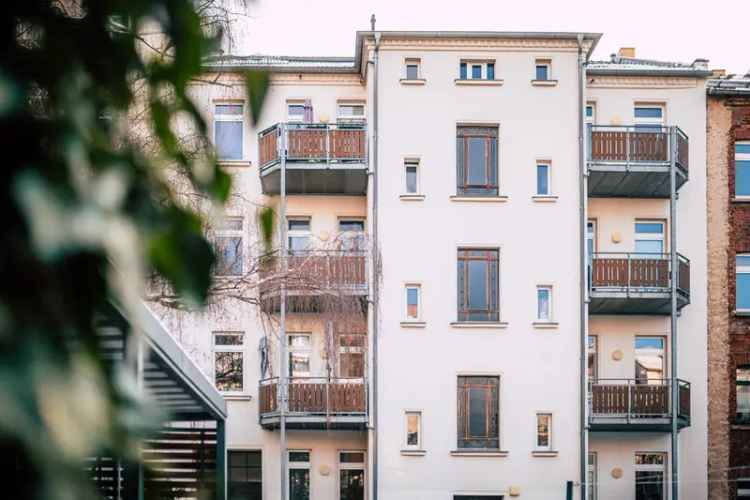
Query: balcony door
(299, 350)
(650, 360)
(650, 475)
(351, 475)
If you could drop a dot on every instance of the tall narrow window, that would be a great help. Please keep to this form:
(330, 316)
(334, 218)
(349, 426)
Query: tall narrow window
(298, 234)
(478, 412)
(352, 235)
(352, 355)
(351, 475)
(542, 179)
(412, 68)
(229, 361)
(742, 282)
(592, 477)
(300, 345)
(228, 131)
(245, 470)
(649, 476)
(478, 288)
(544, 303)
(542, 70)
(742, 382)
(414, 430)
(543, 431)
(412, 176)
(593, 358)
(590, 113)
(228, 246)
(648, 117)
(650, 361)
(476, 161)
(649, 238)
(412, 302)
(299, 475)
(742, 168)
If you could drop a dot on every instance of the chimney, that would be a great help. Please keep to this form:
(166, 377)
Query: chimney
(718, 73)
(628, 52)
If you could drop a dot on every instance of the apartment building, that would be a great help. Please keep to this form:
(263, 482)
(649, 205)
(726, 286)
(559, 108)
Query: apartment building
(728, 244)
(484, 252)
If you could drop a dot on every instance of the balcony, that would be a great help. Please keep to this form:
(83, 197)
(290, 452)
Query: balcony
(631, 405)
(312, 275)
(320, 159)
(625, 161)
(636, 283)
(315, 403)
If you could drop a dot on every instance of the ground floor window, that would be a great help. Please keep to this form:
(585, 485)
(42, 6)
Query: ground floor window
(352, 475)
(650, 469)
(245, 475)
(299, 475)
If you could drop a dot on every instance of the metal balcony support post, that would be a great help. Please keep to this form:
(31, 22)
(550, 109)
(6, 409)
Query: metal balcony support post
(283, 381)
(630, 401)
(630, 267)
(328, 144)
(674, 393)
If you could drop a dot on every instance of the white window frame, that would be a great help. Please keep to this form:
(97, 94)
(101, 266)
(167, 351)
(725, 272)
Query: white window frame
(229, 118)
(350, 466)
(543, 62)
(649, 467)
(412, 162)
(592, 479)
(740, 157)
(548, 164)
(739, 269)
(291, 350)
(229, 348)
(413, 61)
(220, 231)
(477, 62)
(295, 118)
(650, 121)
(591, 119)
(418, 414)
(351, 350)
(650, 236)
(350, 118)
(418, 288)
(299, 233)
(299, 466)
(548, 446)
(550, 291)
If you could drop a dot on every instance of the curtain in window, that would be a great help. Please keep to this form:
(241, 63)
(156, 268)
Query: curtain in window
(308, 111)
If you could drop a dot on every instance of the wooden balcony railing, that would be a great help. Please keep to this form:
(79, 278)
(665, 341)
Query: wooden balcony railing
(311, 396)
(318, 270)
(313, 142)
(637, 399)
(638, 272)
(636, 145)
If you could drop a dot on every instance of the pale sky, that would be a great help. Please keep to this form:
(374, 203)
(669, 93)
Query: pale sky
(659, 29)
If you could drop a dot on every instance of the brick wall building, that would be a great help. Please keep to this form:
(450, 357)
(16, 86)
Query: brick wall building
(728, 136)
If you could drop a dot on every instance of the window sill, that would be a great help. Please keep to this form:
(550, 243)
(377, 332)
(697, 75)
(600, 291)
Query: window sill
(234, 163)
(544, 83)
(487, 83)
(740, 427)
(544, 454)
(411, 197)
(741, 199)
(544, 198)
(413, 324)
(479, 325)
(237, 397)
(479, 199)
(742, 312)
(412, 81)
(545, 325)
(479, 453)
(413, 453)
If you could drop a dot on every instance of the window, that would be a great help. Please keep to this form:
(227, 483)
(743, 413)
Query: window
(542, 70)
(412, 68)
(413, 293)
(650, 363)
(351, 475)
(590, 113)
(298, 235)
(648, 117)
(649, 476)
(229, 361)
(593, 357)
(742, 381)
(412, 176)
(414, 430)
(478, 412)
(299, 345)
(543, 431)
(295, 111)
(477, 70)
(544, 303)
(245, 480)
(742, 282)
(352, 235)
(592, 477)
(299, 475)
(351, 111)
(742, 168)
(478, 285)
(476, 161)
(649, 238)
(542, 179)
(228, 133)
(352, 355)
(228, 246)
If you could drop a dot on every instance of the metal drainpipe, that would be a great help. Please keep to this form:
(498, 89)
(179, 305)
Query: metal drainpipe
(673, 317)
(282, 394)
(376, 262)
(582, 194)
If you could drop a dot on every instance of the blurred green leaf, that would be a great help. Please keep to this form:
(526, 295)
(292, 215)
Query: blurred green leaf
(256, 84)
